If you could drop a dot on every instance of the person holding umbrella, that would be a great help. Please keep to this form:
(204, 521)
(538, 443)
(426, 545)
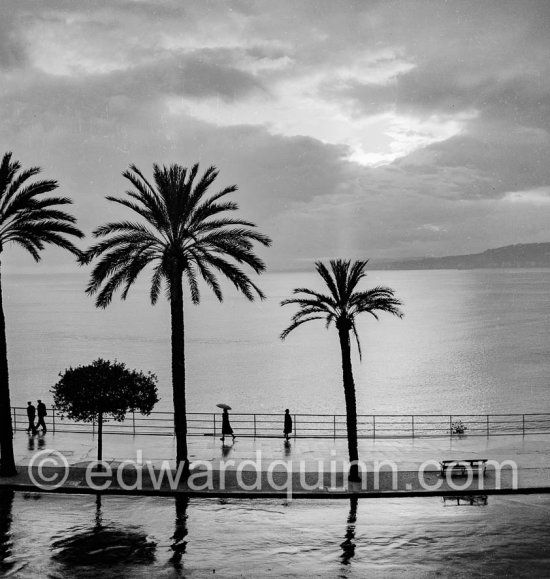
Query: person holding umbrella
(226, 426)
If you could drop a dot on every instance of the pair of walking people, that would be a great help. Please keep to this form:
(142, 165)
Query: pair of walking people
(31, 415)
(226, 425)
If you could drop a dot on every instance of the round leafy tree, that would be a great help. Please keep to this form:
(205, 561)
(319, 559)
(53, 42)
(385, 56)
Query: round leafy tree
(104, 390)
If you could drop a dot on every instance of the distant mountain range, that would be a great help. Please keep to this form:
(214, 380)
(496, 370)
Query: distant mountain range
(522, 255)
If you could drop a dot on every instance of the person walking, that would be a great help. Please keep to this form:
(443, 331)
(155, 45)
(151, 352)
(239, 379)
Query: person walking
(41, 409)
(288, 424)
(226, 426)
(31, 414)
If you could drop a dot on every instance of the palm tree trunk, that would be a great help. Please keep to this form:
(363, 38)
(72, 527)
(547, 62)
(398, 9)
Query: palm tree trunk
(351, 405)
(178, 369)
(100, 438)
(7, 464)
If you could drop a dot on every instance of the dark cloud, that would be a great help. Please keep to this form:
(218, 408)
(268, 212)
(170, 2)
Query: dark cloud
(12, 50)
(204, 73)
(484, 64)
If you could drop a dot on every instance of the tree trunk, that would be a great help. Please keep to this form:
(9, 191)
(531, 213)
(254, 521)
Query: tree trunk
(351, 406)
(178, 369)
(100, 438)
(7, 463)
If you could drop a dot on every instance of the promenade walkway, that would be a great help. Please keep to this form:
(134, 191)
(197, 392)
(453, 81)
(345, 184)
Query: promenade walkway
(269, 467)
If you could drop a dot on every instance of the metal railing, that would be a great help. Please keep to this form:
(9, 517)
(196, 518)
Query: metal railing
(263, 425)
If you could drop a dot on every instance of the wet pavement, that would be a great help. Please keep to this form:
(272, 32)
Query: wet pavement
(303, 467)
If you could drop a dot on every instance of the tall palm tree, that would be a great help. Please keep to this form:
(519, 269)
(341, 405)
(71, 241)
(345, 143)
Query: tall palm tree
(31, 220)
(182, 232)
(341, 306)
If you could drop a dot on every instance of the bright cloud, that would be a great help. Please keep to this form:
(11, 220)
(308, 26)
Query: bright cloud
(382, 129)
(539, 196)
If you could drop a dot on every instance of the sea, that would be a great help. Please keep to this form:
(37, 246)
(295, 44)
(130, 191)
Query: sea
(470, 341)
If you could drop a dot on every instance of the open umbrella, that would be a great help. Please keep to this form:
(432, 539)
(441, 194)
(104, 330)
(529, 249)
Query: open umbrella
(224, 406)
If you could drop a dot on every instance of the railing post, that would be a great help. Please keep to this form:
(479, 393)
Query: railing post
(93, 427)
(412, 425)
(334, 424)
(295, 425)
(14, 420)
(450, 425)
(53, 420)
(134, 422)
(254, 425)
(373, 426)
(487, 426)
(523, 424)
(214, 418)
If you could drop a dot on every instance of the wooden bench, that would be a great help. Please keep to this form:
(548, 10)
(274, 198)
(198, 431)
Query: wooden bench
(475, 465)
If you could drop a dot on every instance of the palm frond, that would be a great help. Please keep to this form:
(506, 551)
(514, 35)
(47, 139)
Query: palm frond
(327, 278)
(28, 219)
(294, 325)
(184, 231)
(236, 276)
(12, 186)
(357, 341)
(207, 275)
(156, 283)
(191, 276)
(343, 304)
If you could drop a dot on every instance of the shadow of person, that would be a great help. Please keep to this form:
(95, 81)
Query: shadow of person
(30, 444)
(348, 546)
(226, 450)
(41, 441)
(288, 448)
(179, 544)
(6, 508)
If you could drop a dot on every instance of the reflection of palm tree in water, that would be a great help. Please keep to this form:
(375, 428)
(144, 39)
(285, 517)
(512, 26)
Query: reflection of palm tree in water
(6, 504)
(348, 546)
(180, 532)
(98, 513)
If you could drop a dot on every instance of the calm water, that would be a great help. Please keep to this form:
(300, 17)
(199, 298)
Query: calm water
(64, 536)
(471, 341)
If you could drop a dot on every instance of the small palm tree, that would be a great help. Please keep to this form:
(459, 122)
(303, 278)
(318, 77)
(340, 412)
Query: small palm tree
(183, 233)
(31, 220)
(341, 307)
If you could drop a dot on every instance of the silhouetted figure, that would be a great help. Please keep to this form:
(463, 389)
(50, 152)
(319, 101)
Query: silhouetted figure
(31, 414)
(226, 426)
(288, 424)
(41, 409)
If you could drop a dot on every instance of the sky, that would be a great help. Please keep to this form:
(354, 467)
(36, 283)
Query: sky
(357, 129)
